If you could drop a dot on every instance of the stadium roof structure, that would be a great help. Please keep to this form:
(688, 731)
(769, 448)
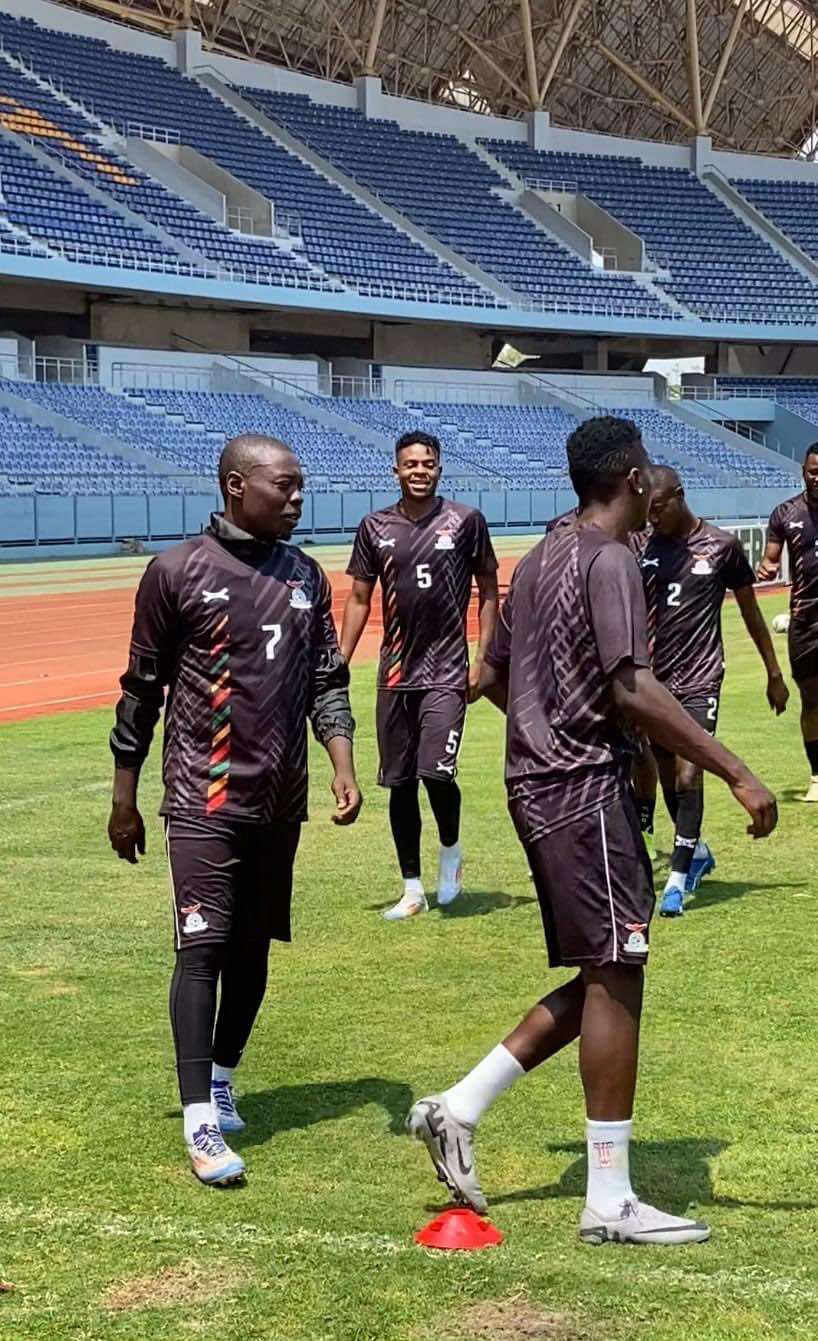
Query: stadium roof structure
(743, 71)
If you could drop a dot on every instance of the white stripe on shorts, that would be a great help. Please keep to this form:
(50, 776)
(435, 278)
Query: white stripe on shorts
(608, 882)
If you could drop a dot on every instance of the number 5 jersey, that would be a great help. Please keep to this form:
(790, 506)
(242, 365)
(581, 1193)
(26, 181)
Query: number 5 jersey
(240, 632)
(425, 568)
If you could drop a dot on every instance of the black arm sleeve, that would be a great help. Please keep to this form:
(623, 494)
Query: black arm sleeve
(143, 684)
(330, 711)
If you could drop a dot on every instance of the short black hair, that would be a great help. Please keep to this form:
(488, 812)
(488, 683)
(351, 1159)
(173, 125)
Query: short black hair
(600, 453)
(812, 450)
(417, 438)
(245, 451)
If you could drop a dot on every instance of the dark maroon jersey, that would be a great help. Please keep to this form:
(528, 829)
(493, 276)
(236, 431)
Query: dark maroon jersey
(575, 612)
(242, 634)
(795, 524)
(685, 585)
(425, 569)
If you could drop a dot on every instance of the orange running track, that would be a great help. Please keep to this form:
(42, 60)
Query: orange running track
(65, 651)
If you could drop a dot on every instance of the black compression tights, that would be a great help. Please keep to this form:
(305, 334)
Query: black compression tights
(404, 817)
(241, 969)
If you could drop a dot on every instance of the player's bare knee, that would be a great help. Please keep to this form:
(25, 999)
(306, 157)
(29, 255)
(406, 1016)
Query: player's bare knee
(688, 777)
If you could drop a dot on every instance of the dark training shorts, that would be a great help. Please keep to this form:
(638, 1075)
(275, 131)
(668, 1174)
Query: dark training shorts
(224, 874)
(803, 648)
(594, 882)
(703, 706)
(419, 734)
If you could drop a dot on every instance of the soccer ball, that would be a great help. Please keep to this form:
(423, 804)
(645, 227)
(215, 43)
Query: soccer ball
(781, 622)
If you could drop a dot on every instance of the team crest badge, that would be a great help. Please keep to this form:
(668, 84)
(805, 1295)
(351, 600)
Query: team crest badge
(193, 920)
(444, 541)
(702, 567)
(299, 600)
(636, 943)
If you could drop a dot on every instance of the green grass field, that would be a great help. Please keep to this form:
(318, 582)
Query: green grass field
(106, 1235)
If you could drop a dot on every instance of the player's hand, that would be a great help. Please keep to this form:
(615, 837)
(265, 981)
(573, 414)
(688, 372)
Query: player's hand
(473, 690)
(767, 572)
(348, 799)
(759, 803)
(126, 831)
(777, 694)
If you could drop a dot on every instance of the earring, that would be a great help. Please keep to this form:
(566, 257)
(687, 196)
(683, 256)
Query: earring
(640, 492)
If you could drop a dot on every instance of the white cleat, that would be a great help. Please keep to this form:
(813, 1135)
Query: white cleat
(224, 1101)
(213, 1161)
(409, 906)
(812, 791)
(639, 1223)
(451, 1148)
(449, 876)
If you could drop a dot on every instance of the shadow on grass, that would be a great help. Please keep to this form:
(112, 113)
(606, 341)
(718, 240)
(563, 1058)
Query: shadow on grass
(668, 1174)
(471, 903)
(721, 891)
(293, 1107)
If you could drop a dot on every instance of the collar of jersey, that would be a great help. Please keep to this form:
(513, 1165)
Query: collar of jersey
(225, 530)
(421, 521)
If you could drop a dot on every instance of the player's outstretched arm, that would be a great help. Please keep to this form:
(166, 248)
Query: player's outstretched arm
(770, 564)
(489, 600)
(356, 614)
(640, 698)
(756, 625)
(152, 647)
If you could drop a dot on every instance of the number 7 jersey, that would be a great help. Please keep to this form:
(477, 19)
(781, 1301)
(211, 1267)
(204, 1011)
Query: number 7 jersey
(238, 631)
(425, 569)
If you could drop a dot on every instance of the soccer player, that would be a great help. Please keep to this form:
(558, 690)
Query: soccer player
(424, 551)
(795, 524)
(688, 566)
(238, 626)
(569, 664)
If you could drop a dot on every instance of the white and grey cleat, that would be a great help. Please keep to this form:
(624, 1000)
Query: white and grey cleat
(212, 1161)
(451, 1148)
(449, 876)
(639, 1223)
(811, 794)
(224, 1101)
(411, 905)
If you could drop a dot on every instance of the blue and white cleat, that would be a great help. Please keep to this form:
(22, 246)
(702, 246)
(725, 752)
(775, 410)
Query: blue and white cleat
(673, 902)
(699, 868)
(212, 1160)
(224, 1102)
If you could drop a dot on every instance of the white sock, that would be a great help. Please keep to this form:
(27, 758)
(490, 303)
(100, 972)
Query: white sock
(414, 888)
(701, 850)
(471, 1096)
(222, 1073)
(609, 1179)
(450, 857)
(676, 880)
(196, 1116)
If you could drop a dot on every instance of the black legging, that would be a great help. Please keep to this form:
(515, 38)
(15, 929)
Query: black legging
(404, 817)
(240, 967)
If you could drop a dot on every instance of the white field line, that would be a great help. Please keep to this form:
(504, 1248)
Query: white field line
(23, 802)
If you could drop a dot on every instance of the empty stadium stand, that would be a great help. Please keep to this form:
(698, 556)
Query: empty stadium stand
(719, 268)
(341, 237)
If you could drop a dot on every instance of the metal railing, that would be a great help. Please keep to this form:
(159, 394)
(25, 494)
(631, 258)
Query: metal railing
(216, 377)
(143, 130)
(49, 368)
(564, 187)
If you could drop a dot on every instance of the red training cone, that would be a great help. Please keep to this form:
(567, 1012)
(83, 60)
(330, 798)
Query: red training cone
(459, 1230)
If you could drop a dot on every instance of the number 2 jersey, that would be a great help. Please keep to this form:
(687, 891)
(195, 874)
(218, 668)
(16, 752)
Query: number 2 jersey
(685, 583)
(425, 569)
(241, 633)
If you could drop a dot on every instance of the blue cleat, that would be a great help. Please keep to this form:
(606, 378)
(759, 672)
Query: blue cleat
(673, 902)
(699, 868)
(224, 1101)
